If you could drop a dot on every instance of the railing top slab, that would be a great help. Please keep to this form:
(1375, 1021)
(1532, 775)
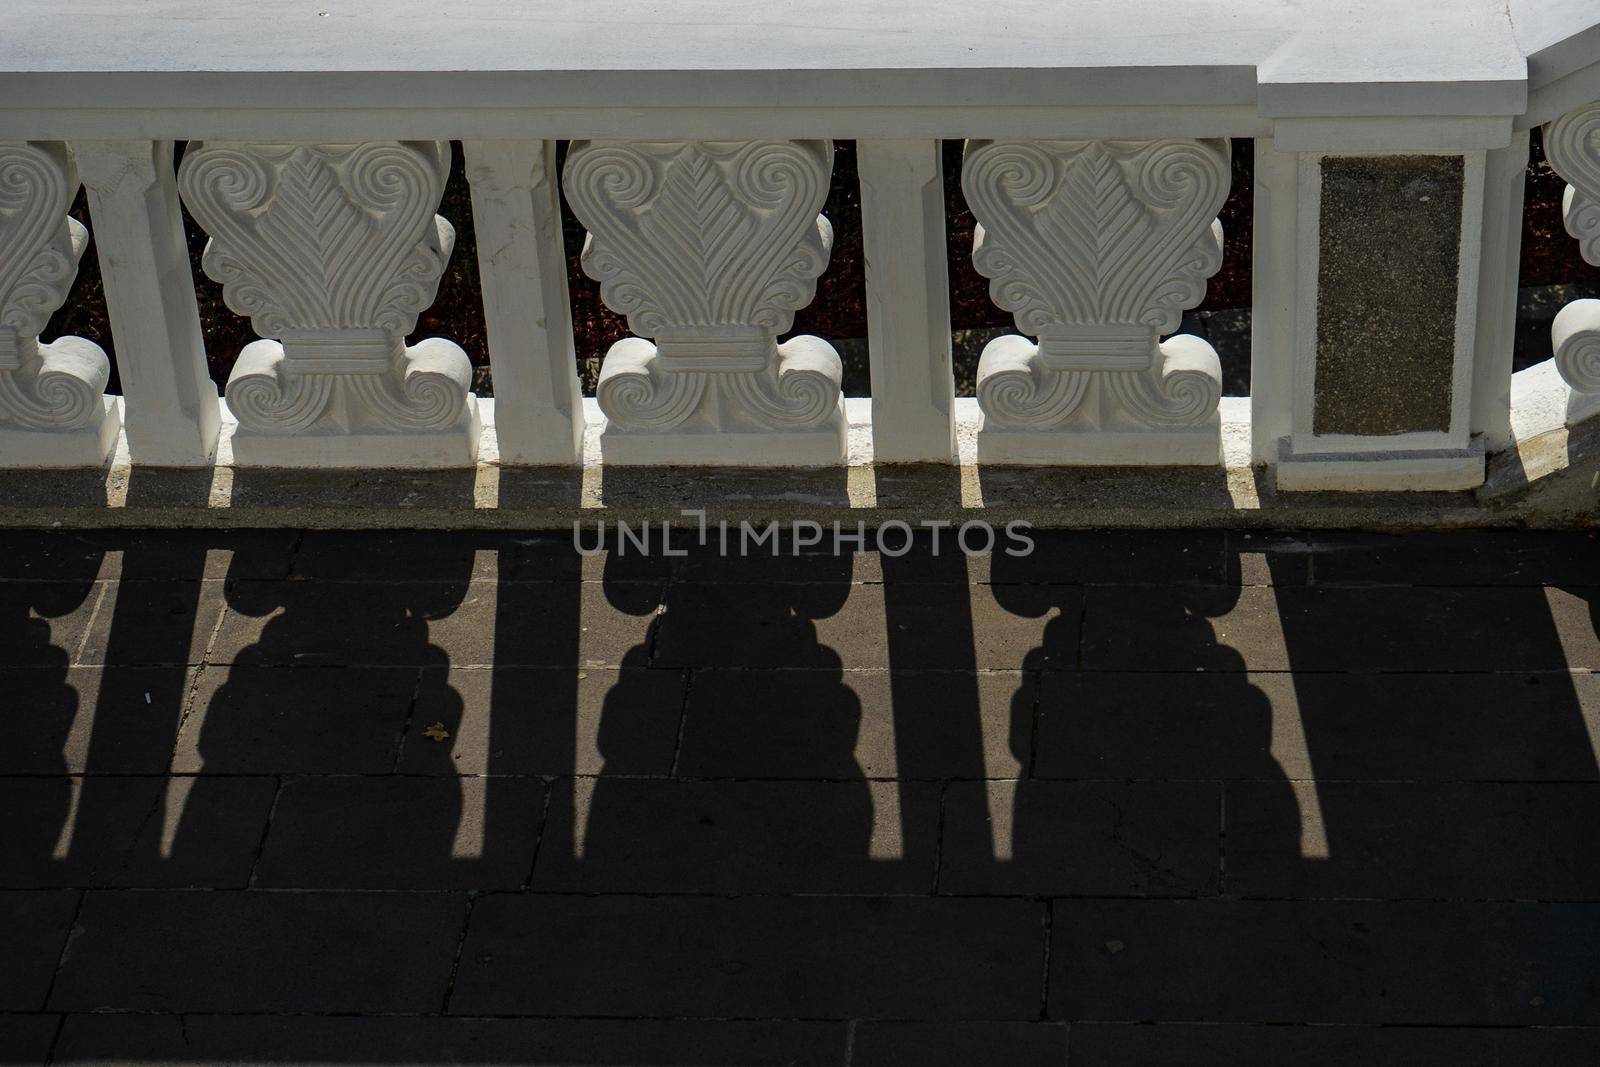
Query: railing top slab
(1276, 58)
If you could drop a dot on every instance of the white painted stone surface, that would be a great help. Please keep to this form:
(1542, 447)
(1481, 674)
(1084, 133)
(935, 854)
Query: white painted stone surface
(1363, 76)
(709, 248)
(1357, 57)
(1572, 144)
(1284, 347)
(1097, 248)
(171, 408)
(908, 299)
(526, 307)
(333, 250)
(1499, 263)
(52, 407)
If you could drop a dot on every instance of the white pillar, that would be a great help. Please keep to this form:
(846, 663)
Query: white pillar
(1364, 360)
(170, 402)
(517, 215)
(1504, 182)
(908, 300)
(1272, 299)
(53, 408)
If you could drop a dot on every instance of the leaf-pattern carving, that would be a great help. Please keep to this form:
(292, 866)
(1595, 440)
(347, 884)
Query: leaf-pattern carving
(334, 249)
(54, 387)
(1096, 232)
(38, 254)
(709, 247)
(317, 237)
(1097, 248)
(686, 234)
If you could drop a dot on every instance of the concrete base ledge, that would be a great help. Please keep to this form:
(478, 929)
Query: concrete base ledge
(489, 496)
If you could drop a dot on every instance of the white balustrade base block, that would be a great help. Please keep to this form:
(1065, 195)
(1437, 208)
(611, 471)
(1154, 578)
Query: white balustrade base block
(88, 446)
(824, 446)
(1434, 470)
(456, 446)
(1197, 447)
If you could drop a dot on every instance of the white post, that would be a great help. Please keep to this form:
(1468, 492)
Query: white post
(908, 300)
(517, 215)
(170, 402)
(1272, 299)
(1376, 377)
(1504, 179)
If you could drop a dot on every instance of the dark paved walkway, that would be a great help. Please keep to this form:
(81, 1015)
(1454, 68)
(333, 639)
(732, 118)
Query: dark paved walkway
(1136, 799)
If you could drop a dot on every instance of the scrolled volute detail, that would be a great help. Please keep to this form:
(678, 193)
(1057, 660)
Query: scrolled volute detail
(1572, 144)
(1097, 248)
(59, 386)
(1575, 339)
(708, 247)
(333, 250)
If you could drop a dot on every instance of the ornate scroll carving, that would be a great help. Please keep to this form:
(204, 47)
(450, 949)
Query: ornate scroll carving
(59, 386)
(1572, 144)
(332, 250)
(1097, 247)
(709, 248)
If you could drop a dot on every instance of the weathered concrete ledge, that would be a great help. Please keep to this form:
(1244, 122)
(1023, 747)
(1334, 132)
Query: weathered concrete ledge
(1548, 480)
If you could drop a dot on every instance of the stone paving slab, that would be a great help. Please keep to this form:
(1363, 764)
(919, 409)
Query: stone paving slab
(545, 720)
(1283, 961)
(642, 836)
(101, 831)
(1183, 1045)
(402, 833)
(1141, 798)
(152, 623)
(1427, 840)
(1521, 726)
(917, 1044)
(814, 957)
(34, 925)
(260, 952)
(874, 724)
(1330, 629)
(132, 711)
(27, 1038)
(148, 1040)
(304, 720)
(1082, 839)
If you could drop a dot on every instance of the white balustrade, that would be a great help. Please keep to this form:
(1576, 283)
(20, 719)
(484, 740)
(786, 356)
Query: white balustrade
(53, 412)
(1572, 144)
(333, 250)
(1098, 247)
(1388, 151)
(709, 248)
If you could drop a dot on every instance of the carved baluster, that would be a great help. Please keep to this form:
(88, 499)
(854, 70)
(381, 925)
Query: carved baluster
(1098, 247)
(1572, 144)
(53, 411)
(333, 250)
(709, 248)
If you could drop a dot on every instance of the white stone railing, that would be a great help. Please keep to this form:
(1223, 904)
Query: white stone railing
(1387, 199)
